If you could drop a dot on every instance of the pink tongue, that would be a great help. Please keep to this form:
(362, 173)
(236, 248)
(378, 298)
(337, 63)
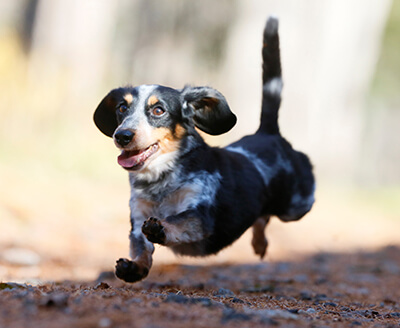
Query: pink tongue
(129, 158)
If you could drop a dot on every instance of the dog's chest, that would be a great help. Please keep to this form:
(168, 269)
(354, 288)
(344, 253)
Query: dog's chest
(198, 189)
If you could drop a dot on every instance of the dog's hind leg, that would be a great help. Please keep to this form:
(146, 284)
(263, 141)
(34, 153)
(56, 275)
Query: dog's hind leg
(259, 242)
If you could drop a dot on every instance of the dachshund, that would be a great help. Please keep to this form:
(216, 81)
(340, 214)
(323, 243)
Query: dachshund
(189, 196)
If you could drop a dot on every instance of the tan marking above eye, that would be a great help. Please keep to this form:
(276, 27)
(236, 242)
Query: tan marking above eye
(128, 98)
(152, 100)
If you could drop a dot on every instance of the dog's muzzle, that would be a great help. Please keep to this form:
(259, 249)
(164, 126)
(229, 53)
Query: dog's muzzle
(124, 137)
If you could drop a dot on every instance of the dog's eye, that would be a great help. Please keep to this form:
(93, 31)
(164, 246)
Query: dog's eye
(122, 108)
(158, 111)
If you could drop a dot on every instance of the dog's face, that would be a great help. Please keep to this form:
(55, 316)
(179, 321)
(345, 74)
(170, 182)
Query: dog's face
(148, 123)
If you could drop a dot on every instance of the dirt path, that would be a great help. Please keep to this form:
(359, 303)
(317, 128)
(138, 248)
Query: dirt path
(324, 290)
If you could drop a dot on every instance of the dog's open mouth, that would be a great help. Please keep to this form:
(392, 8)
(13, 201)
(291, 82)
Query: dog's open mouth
(135, 159)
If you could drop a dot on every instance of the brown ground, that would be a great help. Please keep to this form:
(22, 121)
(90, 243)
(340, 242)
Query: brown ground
(322, 290)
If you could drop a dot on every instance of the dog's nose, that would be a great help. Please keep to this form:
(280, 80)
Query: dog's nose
(124, 137)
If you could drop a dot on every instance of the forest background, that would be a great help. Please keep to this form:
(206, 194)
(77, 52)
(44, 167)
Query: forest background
(63, 199)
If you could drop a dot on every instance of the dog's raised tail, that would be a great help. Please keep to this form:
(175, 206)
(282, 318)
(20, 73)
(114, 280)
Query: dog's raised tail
(271, 77)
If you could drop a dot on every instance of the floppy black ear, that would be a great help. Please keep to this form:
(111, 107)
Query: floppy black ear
(105, 117)
(209, 109)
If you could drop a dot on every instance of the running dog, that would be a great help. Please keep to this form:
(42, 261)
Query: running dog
(191, 197)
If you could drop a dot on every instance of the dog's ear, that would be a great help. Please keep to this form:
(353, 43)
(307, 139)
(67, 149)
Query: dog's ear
(105, 116)
(209, 109)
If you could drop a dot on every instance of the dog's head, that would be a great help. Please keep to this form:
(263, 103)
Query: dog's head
(149, 122)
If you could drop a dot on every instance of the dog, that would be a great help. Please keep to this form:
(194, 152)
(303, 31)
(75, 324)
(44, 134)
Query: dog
(191, 197)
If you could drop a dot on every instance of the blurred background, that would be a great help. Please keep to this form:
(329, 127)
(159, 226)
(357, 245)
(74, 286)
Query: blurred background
(64, 200)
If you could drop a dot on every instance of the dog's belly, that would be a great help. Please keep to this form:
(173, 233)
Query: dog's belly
(191, 249)
(227, 229)
(204, 247)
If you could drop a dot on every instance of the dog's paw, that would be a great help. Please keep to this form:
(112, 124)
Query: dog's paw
(130, 271)
(260, 245)
(154, 231)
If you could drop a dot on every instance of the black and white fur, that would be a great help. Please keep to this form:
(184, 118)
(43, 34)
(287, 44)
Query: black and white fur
(191, 197)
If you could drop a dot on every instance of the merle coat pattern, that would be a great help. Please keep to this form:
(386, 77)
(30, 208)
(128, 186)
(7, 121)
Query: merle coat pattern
(191, 197)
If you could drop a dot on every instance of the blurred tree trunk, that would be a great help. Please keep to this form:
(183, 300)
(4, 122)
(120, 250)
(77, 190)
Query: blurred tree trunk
(71, 41)
(329, 51)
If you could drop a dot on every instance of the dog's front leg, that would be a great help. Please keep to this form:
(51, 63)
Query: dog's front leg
(141, 251)
(186, 227)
